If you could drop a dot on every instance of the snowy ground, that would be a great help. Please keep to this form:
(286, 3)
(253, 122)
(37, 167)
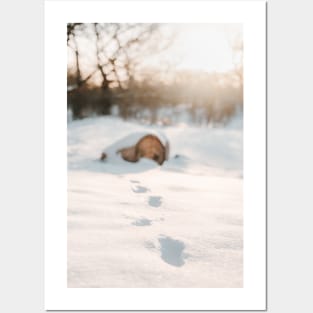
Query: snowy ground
(142, 225)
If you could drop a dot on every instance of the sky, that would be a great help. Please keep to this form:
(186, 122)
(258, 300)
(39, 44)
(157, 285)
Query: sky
(205, 47)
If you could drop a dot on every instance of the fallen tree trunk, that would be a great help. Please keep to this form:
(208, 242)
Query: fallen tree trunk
(136, 146)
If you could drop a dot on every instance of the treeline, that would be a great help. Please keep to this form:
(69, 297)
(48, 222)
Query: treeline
(107, 74)
(205, 97)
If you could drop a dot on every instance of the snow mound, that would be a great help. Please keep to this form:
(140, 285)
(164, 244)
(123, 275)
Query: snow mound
(131, 140)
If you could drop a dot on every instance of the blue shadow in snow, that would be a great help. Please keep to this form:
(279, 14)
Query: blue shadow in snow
(172, 251)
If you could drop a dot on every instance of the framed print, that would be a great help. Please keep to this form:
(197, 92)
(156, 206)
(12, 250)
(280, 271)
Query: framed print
(155, 155)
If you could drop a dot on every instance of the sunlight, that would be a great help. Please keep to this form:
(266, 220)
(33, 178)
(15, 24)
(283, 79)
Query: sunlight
(204, 47)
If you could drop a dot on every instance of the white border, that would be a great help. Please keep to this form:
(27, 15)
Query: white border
(253, 295)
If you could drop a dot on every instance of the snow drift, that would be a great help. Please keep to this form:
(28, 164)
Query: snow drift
(144, 225)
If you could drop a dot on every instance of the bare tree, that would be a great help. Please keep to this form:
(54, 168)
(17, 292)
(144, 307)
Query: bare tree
(118, 50)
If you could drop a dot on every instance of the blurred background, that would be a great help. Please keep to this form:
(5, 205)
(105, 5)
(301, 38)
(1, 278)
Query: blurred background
(161, 74)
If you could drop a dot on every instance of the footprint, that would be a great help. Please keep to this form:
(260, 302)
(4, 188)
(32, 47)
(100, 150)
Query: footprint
(150, 245)
(140, 189)
(172, 251)
(155, 201)
(142, 222)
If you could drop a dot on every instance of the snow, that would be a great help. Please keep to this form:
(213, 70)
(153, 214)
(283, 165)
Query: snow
(71, 87)
(145, 225)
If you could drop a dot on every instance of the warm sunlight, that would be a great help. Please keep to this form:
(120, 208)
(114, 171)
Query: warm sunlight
(132, 66)
(205, 47)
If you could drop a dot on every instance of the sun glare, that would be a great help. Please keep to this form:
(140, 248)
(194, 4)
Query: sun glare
(204, 47)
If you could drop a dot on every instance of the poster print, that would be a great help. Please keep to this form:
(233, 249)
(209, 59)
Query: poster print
(156, 180)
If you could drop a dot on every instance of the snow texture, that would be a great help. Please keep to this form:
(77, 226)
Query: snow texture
(145, 225)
